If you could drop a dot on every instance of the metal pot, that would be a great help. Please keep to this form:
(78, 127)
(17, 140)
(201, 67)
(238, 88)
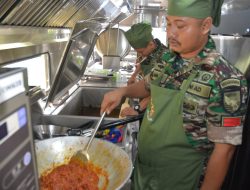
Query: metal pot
(112, 42)
(41, 132)
(50, 131)
(108, 156)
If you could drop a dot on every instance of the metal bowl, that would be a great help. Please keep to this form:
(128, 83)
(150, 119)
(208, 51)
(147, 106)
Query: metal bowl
(112, 42)
(48, 131)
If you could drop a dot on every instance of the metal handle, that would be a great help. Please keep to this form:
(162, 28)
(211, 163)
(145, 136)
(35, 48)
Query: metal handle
(95, 130)
(121, 121)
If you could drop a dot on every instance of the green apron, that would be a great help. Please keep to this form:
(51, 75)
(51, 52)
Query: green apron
(166, 160)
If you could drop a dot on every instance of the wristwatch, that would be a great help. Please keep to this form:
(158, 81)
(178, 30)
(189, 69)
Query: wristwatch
(137, 108)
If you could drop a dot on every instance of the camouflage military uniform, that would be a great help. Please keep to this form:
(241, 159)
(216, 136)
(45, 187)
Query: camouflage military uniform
(153, 58)
(215, 103)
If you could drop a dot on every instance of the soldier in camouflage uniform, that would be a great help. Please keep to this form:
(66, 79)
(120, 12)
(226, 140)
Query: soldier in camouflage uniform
(214, 105)
(140, 38)
(218, 92)
(197, 109)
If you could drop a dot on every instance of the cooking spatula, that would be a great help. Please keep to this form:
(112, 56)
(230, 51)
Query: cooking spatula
(83, 155)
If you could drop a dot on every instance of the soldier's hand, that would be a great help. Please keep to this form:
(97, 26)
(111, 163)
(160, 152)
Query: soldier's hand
(111, 100)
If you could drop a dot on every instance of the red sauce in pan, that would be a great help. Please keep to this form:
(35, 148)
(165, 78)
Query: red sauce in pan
(74, 175)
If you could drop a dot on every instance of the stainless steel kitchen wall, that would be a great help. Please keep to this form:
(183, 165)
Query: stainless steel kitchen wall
(235, 18)
(232, 37)
(236, 49)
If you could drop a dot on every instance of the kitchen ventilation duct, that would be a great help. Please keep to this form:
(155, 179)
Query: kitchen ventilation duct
(58, 13)
(151, 11)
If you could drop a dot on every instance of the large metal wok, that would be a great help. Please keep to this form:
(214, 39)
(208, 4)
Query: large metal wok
(108, 156)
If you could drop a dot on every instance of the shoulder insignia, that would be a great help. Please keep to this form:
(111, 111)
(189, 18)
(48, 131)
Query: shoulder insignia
(230, 83)
(231, 100)
(231, 95)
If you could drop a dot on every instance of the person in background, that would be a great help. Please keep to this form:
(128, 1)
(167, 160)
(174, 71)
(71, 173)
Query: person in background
(149, 51)
(197, 109)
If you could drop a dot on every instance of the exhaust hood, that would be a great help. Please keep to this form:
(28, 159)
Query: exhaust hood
(60, 13)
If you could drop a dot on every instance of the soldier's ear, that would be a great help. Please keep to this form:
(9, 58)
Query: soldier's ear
(151, 44)
(206, 25)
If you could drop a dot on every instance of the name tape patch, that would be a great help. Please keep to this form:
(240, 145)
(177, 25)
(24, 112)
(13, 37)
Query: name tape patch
(199, 89)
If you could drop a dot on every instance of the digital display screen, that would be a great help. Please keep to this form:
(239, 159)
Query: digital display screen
(22, 118)
(3, 131)
(12, 123)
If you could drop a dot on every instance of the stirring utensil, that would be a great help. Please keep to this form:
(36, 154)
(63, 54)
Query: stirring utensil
(83, 155)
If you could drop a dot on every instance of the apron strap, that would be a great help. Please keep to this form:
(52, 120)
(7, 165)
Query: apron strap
(189, 80)
(184, 88)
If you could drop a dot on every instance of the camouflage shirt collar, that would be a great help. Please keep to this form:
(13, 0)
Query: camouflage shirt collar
(209, 47)
(158, 46)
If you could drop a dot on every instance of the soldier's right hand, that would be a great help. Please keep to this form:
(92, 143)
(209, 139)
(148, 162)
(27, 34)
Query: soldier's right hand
(111, 100)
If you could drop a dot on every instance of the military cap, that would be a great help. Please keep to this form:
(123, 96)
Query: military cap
(139, 35)
(196, 9)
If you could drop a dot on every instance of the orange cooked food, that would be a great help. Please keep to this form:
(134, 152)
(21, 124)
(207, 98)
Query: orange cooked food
(74, 175)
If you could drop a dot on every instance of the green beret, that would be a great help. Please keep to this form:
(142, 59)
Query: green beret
(196, 9)
(139, 35)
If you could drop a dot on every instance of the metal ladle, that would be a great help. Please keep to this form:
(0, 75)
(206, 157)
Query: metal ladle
(83, 155)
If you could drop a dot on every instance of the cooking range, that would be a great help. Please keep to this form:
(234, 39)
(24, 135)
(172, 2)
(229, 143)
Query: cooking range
(73, 103)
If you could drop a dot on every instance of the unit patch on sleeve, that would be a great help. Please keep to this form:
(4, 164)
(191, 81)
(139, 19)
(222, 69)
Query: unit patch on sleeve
(231, 121)
(231, 95)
